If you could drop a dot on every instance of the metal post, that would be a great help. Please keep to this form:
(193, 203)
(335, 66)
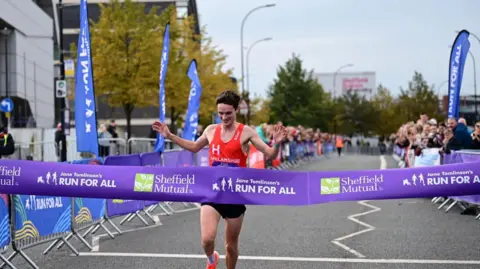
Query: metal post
(474, 84)
(248, 58)
(334, 91)
(241, 53)
(63, 146)
(6, 33)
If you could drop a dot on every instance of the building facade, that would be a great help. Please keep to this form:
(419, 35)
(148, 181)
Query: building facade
(26, 69)
(141, 117)
(469, 108)
(338, 84)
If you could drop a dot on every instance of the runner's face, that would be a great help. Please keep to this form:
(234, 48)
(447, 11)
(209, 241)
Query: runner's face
(226, 113)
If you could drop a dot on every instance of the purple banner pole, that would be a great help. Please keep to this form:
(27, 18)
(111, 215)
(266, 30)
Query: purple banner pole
(116, 206)
(229, 185)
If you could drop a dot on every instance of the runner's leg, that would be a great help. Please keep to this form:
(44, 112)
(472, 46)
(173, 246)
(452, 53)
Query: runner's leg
(232, 233)
(209, 218)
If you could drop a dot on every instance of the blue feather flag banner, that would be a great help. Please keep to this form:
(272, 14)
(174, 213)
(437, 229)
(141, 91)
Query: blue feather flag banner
(191, 121)
(85, 116)
(160, 142)
(458, 57)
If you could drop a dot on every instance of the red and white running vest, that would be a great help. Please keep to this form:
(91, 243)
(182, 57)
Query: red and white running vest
(229, 153)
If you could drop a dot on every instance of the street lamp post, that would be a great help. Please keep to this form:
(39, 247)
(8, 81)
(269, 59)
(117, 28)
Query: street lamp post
(248, 58)
(474, 84)
(474, 76)
(241, 48)
(6, 32)
(335, 78)
(334, 95)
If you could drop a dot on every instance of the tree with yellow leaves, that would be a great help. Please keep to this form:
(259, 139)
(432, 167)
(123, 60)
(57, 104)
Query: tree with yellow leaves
(126, 49)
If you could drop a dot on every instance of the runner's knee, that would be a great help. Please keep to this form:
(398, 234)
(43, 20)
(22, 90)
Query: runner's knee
(231, 247)
(208, 241)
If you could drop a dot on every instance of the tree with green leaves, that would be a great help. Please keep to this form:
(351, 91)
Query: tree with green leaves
(126, 50)
(355, 115)
(296, 97)
(418, 98)
(386, 107)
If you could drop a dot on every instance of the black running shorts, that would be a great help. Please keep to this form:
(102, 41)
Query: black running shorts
(228, 211)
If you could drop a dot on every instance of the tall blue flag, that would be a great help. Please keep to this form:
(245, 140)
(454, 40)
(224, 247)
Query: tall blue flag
(191, 120)
(160, 142)
(458, 57)
(85, 116)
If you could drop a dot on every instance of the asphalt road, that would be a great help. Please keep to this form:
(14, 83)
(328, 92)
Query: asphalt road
(404, 234)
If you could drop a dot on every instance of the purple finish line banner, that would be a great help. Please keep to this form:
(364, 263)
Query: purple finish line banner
(237, 185)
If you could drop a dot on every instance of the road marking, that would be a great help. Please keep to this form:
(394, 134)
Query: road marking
(279, 258)
(369, 228)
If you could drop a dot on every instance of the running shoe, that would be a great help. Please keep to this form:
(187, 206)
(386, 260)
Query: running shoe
(214, 265)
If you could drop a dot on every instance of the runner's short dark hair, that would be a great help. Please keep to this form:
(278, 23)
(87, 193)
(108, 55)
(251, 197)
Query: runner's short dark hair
(229, 98)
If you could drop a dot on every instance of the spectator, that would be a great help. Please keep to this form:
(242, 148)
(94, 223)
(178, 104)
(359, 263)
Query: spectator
(7, 144)
(451, 142)
(103, 141)
(112, 130)
(460, 132)
(58, 139)
(476, 136)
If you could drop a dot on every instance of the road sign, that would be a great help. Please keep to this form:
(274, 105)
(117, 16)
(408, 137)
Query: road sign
(61, 89)
(69, 68)
(6, 105)
(243, 107)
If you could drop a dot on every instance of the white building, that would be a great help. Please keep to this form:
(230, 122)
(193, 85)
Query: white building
(26, 68)
(363, 83)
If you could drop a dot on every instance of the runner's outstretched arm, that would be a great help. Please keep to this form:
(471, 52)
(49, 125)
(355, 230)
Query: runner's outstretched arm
(193, 146)
(270, 152)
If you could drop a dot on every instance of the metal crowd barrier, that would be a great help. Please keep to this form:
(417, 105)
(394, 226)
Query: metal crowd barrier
(35, 220)
(460, 156)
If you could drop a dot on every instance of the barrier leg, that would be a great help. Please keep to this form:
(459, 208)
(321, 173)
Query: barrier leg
(52, 245)
(163, 207)
(451, 205)
(9, 258)
(114, 226)
(70, 246)
(167, 204)
(27, 259)
(127, 218)
(477, 217)
(79, 237)
(155, 219)
(7, 262)
(444, 203)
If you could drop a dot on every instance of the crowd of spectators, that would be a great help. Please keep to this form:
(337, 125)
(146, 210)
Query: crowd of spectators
(413, 137)
(302, 142)
(450, 135)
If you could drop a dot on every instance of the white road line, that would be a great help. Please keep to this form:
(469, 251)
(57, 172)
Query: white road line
(280, 258)
(369, 228)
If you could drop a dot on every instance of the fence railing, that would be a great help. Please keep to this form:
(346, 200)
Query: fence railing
(30, 220)
(407, 158)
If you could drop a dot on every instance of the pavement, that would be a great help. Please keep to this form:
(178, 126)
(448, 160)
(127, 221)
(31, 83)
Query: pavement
(402, 234)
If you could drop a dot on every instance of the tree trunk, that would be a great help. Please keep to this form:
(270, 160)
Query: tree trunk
(128, 109)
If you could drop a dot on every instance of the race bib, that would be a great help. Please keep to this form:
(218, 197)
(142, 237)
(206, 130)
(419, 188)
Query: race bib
(216, 163)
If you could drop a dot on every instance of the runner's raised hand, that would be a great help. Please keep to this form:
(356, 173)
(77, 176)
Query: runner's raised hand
(279, 133)
(161, 128)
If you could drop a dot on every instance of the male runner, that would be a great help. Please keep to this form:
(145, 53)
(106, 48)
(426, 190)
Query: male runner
(228, 143)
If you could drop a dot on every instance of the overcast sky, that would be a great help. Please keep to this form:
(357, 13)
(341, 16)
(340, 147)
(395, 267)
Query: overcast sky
(392, 38)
